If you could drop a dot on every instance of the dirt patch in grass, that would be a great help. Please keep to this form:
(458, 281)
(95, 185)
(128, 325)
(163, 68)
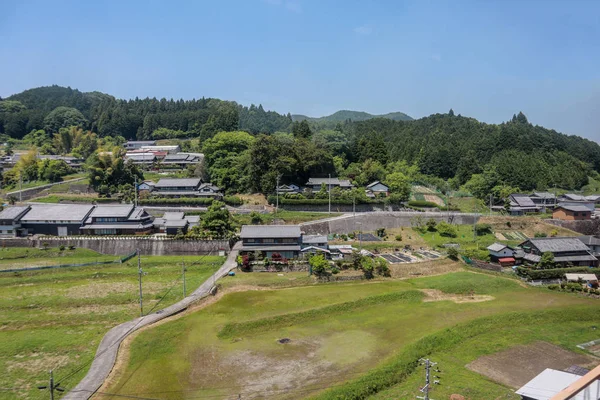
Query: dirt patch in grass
(527, 225)
(516, 366)
(37, 362)
(99, 290)
(426, 268)
(253, 199)
(432, 198)
(438, 295)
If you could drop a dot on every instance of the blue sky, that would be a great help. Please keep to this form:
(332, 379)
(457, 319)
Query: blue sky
(485, 59)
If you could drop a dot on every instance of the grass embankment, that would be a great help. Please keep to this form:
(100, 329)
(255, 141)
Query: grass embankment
(55, 319)
(373, 331)
(59, 198)
(27, 257)
(33, 184)
(288, 217)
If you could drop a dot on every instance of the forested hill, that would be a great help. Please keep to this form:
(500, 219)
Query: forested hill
(54, 106)
(449, 146)
(345, 115)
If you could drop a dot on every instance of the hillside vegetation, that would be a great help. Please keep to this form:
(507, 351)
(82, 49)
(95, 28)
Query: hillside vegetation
(344, 115)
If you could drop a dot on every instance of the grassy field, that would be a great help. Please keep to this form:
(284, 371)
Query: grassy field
(57, 198)
(22, 257)
(32, 184)
(55, 319)
(346, 340)
(288, 217)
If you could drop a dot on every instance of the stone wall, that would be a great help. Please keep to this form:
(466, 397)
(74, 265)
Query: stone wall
(126, 245)
(587, 227)
(368, 222)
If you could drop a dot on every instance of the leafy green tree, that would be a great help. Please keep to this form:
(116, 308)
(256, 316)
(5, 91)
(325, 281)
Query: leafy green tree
(107, 172)
(547, 260)
(382, 267)
(217, 220)
(453, 253)
(431, 225)
(446, 229)
(63, 117)
(399, 184)
(53, 170)
(319, 265)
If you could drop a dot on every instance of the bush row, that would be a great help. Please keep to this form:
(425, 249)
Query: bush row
(230, 200)
(282, 201)
(421, 203)
(554, 273)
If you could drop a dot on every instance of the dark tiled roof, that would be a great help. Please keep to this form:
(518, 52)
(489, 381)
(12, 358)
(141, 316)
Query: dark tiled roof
(269, 231)
(167, 182)
(58, 212)
(574, 208)
(13, 212)
(559, 244)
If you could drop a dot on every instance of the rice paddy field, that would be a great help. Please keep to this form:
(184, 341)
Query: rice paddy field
(55, 318)
(283, 336)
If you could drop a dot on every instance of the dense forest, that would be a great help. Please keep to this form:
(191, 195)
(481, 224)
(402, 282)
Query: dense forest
(248, 148)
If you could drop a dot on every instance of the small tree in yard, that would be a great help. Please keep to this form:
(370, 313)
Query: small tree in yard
(398, 237)
(382, 268)
(547, 261)
(452, 253)
(446, 229)
(430, 225)
(319, 265)
(367, 267)
(255, 218)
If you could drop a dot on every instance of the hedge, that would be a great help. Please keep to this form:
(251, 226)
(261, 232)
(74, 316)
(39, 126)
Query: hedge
(282, 201)
(193, 201)
(421, 203)
(554, 273)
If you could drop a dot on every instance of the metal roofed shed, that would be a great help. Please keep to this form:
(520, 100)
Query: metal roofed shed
(270, 231)
(551, 382)
(583, 277)
(170, 215)
(57, 212)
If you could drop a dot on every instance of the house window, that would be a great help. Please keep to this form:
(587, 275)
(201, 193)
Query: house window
(576, 214)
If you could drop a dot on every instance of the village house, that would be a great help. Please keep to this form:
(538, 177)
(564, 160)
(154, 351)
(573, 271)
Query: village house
(146, 186)
(170, 149)
(118, 220)
(550, 382)
(209, 190)
(571, 212)
(289, 188)
(182, 160)
(138, 144)
(521, 204)
(167, 187)
(10, 220)
(316, 183)
(55, 219)
(592, 242)
(543, 198)
(566, 251)
(501, 253)
(377, 188)
(595, 198)
(283, 240)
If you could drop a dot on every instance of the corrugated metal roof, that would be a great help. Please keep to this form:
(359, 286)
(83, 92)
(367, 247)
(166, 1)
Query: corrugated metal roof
(169, 182)
(176, 223)
(583, 277)
(558, 244)
(270, 231)
(496, 247)
(572, 196)
(550, 382)
(574, 208)
(13, 212)
(522, 200)
(590, 240)
(173, 215)
(586, 257)
(58, 212)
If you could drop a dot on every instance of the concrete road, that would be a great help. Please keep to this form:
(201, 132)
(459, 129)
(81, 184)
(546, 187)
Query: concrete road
(106, 354)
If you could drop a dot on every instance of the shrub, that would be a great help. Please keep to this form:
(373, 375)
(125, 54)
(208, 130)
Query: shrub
(430, 224)
(380, 232)
(483, 229)
(398, 237)
(382, 268)
(554, 233)
(233, 200)
(446, 229)
(255, 218)
(71, 247)
(61, 247)
(554, 273)
(181, 201)
(574, 287)
(554, 287)
(453, 253)
(540, 235)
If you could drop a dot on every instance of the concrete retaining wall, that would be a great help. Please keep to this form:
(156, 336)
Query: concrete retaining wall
(368, 222)
(121, 246)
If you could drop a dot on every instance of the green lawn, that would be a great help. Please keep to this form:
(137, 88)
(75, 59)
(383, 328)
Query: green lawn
(465, 238)
(289, 217)
(24, 257)
(356, 339)
(55, 319)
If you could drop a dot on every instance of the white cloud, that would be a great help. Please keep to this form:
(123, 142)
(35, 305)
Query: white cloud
(363, 30)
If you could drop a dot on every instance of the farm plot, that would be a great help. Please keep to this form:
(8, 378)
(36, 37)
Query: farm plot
(55, 319)
(514, 235)
(348, 340)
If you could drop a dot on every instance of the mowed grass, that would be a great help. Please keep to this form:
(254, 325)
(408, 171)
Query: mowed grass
(55, 319)
(28, 257)
(289, 217)
(347, 340)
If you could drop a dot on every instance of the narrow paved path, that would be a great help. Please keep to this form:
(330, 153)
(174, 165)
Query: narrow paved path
(106, 354)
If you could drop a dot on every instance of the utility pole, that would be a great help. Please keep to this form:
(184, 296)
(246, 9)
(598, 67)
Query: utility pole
(360, 235)
(277, 194)
(140, 273)
(52, 386)
(183, 274)
(329, 182)
(136, 194)
(491, 196)
(425, 390)
(20, 187)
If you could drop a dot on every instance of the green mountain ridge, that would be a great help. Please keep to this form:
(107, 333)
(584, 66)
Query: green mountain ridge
(344, 115)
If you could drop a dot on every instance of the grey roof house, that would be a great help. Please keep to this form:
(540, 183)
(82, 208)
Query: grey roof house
(315, 183)
(177, 187)
(10, 220)
(284, 240)
(123, 219)
(56, 219)
(566, 250)
(543, 198)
